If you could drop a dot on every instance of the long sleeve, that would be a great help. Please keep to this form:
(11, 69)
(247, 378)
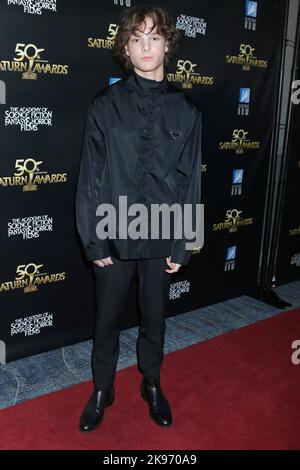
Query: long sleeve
(92, 163)
(189, 184)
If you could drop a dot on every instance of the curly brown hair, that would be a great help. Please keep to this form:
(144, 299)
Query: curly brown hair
(130, 22)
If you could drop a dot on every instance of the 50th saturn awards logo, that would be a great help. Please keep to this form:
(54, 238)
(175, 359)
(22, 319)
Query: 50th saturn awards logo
(294, 231)
(239, 142)
(29, 278)
(30, 176)
(29, 62)
(233, 221)
(105, 43)
(186, 75)
(246, 58)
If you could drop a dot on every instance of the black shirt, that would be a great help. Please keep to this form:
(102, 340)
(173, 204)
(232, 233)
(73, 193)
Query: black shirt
(142, 140)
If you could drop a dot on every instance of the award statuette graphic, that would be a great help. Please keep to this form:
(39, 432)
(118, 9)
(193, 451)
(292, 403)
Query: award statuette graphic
(22, 167)
(25, 270)
(232, 216)
(24, 54)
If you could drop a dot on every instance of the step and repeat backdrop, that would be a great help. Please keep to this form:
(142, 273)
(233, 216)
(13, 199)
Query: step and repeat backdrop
(54, 58)
(288, 258)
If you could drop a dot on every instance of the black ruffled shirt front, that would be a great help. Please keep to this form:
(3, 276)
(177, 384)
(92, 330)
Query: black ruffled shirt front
(142, 140)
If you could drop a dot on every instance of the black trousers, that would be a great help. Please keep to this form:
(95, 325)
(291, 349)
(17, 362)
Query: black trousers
(112, 288)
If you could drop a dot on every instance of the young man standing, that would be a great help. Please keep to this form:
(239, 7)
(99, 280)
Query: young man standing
(143, 141)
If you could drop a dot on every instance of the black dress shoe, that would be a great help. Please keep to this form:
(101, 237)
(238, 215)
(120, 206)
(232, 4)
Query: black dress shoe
(93, 412)
(159, 407)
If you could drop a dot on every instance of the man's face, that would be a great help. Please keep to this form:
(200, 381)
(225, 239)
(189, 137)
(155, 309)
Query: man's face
(146, 48)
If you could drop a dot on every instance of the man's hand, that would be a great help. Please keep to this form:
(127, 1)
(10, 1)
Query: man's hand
(103, 262)
(174, 266)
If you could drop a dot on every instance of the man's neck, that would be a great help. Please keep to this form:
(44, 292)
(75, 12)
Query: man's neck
(156, 75)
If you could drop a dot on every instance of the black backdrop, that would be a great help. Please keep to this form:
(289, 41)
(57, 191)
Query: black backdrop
(288, 259)
(232, 48)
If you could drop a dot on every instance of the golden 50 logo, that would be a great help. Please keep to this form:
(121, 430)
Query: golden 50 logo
(294, 231)
(29, 278)
(246, 58)
(239, 142)
(105, 43)
(30, 176)
(187, 76)
(28, 61)
(232, 221)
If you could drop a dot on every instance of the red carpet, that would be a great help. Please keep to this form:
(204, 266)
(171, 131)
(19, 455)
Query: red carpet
(239, 390)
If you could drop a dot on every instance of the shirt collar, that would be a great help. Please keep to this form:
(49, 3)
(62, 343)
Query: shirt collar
(142, 85)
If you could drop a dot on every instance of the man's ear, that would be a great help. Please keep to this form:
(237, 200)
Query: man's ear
(126, 50)
(166, 46)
